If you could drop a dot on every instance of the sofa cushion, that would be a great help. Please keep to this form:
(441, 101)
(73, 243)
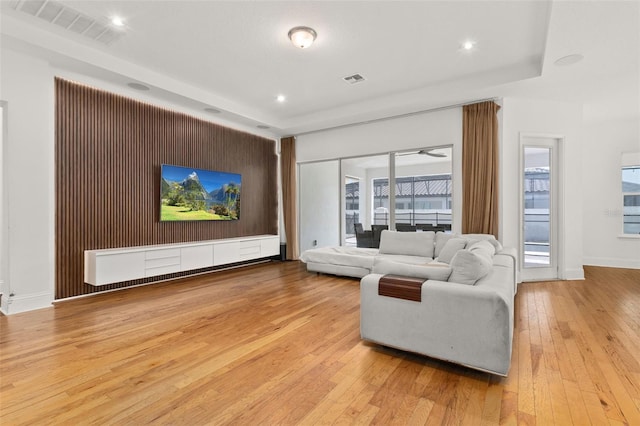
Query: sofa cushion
(441, 239)
(430, 271)
(452, 246)
(407, 243)
(468, 267)
(405, 258)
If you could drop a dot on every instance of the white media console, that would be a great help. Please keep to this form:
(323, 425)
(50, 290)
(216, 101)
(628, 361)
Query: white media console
(110, 266)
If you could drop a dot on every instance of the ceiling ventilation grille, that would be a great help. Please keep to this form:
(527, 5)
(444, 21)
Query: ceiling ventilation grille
(69, 19)
(353, 79)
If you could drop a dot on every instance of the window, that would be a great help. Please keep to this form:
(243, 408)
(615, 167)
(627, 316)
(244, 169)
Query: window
(420, 195)
(631, 199)
(380, 197)
(422, 199)
(352, 194)
(351, 205)
(536, 188)
(356, 173)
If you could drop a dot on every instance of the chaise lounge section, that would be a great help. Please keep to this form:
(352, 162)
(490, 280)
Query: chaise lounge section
(471, 325)
(465, 287)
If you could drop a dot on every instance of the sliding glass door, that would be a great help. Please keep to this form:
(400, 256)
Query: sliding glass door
(342, 200)
(358, 174)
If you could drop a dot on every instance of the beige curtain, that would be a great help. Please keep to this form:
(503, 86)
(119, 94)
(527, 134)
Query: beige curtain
(289, 201)
(480, 168)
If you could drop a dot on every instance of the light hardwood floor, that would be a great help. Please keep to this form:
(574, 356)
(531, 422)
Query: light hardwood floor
(273, 344)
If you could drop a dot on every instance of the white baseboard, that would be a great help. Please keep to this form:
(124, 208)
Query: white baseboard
(612, 262)
(28, 302)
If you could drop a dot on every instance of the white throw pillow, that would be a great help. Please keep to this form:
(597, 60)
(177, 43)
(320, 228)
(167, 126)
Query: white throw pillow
(483, 247)
(468, 267)
(430, 271)
(452, 246)
(407, 243)
(485, 237)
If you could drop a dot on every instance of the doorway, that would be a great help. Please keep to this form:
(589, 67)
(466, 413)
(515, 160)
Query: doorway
(540, 208)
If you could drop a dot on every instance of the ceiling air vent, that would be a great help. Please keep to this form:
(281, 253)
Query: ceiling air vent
(56, 13)
(353, 79)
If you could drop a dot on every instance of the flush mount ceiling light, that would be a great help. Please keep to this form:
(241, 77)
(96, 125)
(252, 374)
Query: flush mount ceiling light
(281, 98)
(302, 37)
(569, 59)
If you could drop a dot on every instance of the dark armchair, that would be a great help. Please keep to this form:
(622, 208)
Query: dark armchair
(405, 227)
(363, 238)
(435, 228)
(377, 230)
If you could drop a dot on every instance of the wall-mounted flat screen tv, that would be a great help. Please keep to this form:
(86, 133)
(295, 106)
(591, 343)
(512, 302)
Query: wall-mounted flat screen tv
(187, 193)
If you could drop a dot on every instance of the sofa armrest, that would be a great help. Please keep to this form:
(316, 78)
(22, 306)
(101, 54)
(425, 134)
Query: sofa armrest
(513, 254)
(510, 251)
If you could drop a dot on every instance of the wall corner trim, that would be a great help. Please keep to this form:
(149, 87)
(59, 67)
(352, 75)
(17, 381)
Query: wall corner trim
(576, 274)
(27, 302)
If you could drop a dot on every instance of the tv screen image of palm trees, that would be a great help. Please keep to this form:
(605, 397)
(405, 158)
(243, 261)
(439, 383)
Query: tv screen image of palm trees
(188, 193)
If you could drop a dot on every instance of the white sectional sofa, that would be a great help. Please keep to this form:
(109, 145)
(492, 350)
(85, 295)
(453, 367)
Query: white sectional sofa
(408, 248)
(467, 297)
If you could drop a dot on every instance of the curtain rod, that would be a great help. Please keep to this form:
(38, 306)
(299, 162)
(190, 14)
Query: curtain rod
(392, 117)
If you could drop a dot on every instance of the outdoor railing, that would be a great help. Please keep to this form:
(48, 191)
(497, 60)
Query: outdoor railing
(414, 218)
(631, 223)
(536, 234)
(350, 221)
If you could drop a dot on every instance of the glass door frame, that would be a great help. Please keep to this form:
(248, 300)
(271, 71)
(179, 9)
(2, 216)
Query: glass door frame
(555, 269)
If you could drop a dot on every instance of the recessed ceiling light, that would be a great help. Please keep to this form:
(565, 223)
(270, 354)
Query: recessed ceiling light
(212, 110)
(468, 45)
(117, 21)
(263, 126)
(138, 86)
(569, 59)
(281, 98)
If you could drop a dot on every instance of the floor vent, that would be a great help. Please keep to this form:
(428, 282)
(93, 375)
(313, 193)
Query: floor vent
(56, 13)
(353, 79)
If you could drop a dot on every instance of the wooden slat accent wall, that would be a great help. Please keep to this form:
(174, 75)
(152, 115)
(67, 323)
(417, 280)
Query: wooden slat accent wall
(109, 149)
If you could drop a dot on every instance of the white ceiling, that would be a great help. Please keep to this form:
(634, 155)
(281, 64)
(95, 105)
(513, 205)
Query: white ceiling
(235, 55)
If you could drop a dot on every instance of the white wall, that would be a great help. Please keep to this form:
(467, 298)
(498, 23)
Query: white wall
(417, 131)
(27, 89)
(434, 168)
(604, 143)
(525, 116)
(319, 204)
